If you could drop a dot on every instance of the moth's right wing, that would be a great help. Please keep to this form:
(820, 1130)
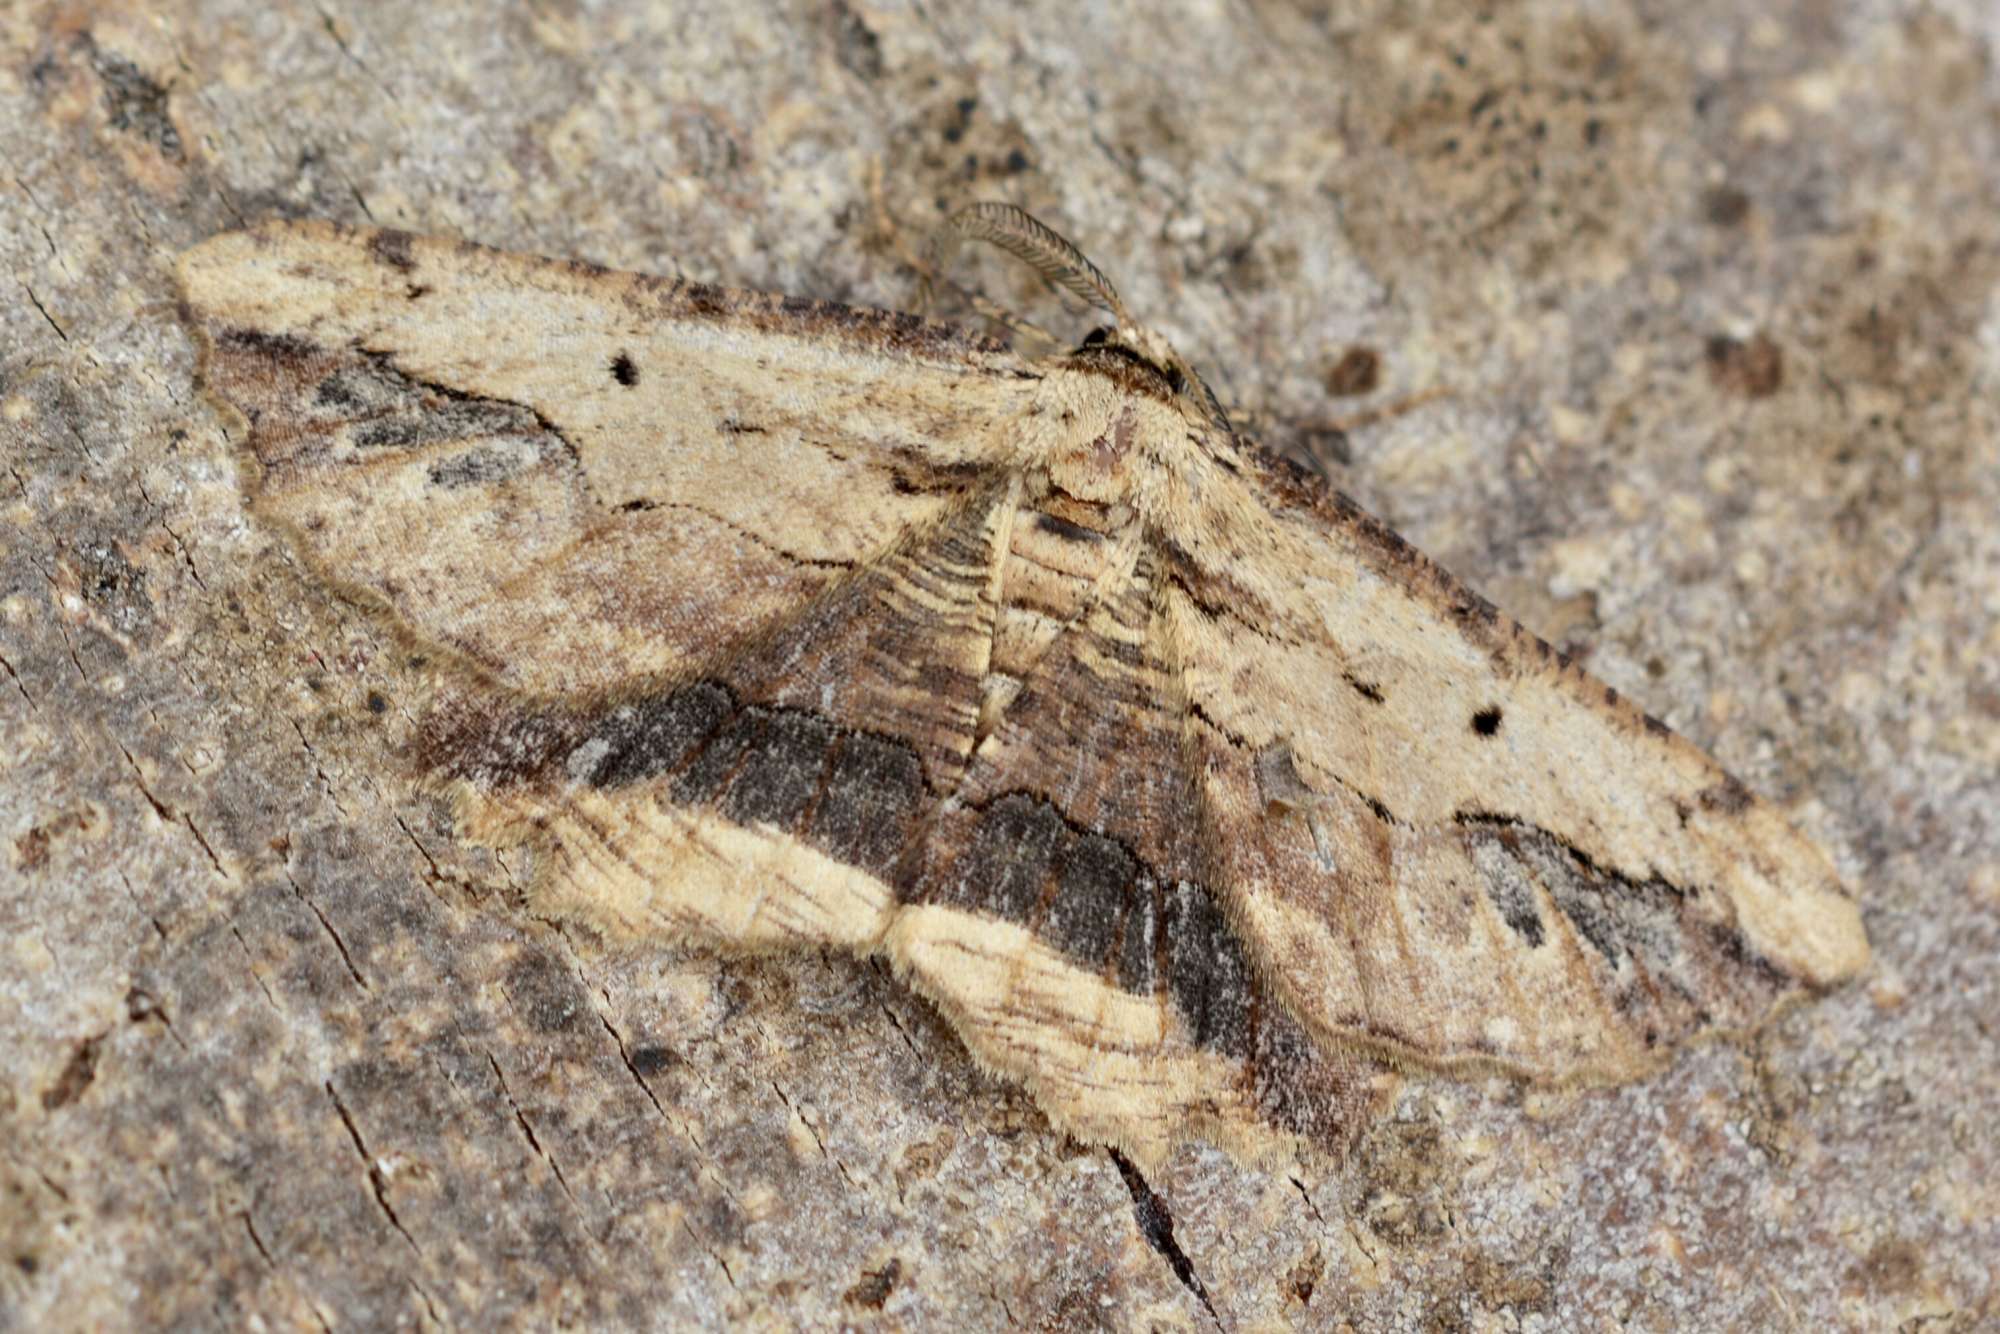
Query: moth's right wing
(1443, 840)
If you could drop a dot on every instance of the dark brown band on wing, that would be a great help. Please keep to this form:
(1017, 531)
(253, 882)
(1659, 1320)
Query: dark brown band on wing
(862, 798)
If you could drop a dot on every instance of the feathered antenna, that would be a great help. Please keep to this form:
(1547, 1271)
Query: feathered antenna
(1040, 247)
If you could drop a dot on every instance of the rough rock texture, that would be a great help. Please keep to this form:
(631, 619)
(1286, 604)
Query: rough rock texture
(1677, 331)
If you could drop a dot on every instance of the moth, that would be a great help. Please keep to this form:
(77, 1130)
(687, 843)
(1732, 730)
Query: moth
(1196, 800)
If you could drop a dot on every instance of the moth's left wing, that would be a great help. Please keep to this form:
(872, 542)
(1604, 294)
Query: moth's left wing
(574, 478)
(1443, 840)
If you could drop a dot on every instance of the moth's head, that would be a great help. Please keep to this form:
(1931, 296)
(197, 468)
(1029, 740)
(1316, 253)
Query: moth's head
(1126, 351)
(1138, 352)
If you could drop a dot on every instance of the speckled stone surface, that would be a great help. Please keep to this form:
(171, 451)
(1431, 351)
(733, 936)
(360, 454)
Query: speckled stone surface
(1674, 329)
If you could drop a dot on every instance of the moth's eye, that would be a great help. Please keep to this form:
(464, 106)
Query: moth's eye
(1096, 337)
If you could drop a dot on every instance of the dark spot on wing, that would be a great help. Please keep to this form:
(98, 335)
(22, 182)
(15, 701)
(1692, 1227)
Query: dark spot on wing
(384, 408)
(780, 771)
(1207, 975)
(1669, 966)
(715, 765)
(1003, 870)
(705, 300)
(1728, 796)
(393, 248)
(1494, 853)
(1093, 897)
(286, 349)
(1138, 955)
(624, 370)
(1486, 722)
(476, 467)
(336, 392)
(860, 797)
(656, 735)
(1471, 609)
(1730, 943)
(854, 795)
(873, 791)
(1063, 528)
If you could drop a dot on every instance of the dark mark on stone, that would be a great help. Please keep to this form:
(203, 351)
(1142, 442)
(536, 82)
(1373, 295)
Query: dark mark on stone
(1359, 371)
(855, 45)
(874, 1286)
(136, 103)
(76, 1076)
(653, 1058)
(1754, 369)
(1156, 1225)
(1725, 206)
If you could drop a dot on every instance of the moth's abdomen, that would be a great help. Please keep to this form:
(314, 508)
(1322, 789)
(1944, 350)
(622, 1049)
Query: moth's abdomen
(1061, 555)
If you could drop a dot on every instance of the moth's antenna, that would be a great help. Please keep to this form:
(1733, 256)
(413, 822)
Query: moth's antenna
(1040, 247)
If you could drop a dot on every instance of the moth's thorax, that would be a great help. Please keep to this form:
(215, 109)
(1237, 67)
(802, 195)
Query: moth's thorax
(1105, 426)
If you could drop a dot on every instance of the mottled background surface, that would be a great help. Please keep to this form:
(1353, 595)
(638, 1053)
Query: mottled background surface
(1674, 330)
